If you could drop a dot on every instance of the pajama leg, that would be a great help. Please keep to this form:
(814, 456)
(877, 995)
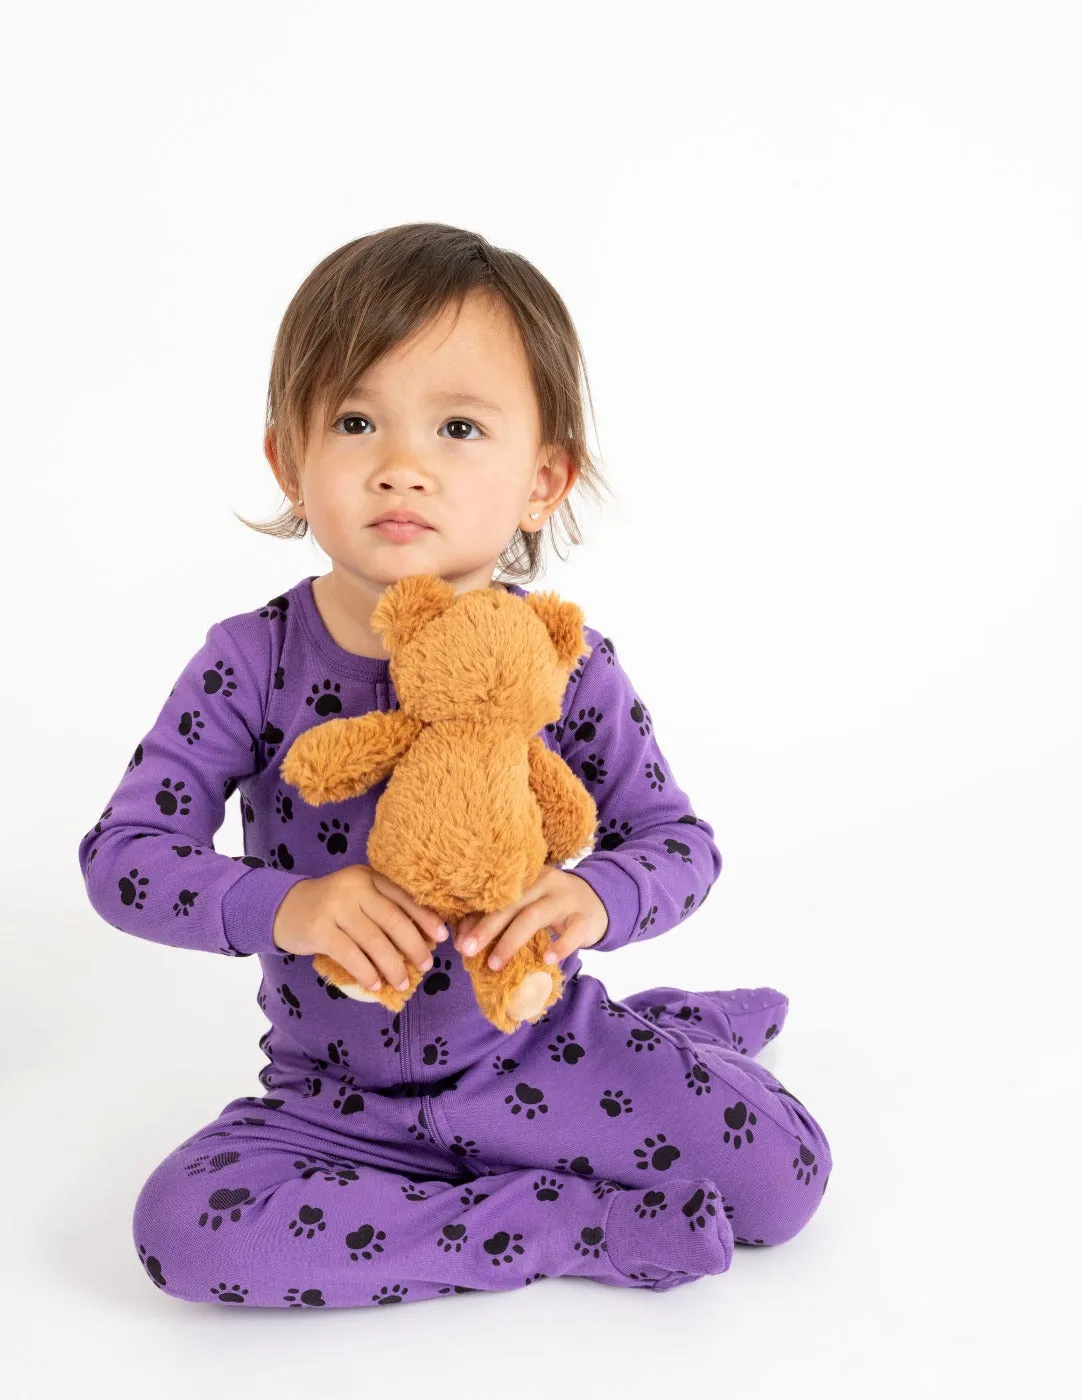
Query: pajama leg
(263, 1208)
(599, 1087)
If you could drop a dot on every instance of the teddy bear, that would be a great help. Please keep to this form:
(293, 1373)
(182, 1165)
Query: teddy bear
(476, 804)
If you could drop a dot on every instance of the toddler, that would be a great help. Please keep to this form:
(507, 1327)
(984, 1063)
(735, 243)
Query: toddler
(393, 1158)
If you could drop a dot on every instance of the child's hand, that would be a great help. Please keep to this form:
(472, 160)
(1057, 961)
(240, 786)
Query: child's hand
(559, 899)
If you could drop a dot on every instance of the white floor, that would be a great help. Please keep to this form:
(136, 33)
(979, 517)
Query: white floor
(930, 1032)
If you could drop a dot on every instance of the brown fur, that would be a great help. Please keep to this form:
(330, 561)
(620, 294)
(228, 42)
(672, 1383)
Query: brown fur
(476, 805)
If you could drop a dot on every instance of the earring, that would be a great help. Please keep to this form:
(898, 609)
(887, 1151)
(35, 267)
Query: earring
(300, 500)
(534, 514)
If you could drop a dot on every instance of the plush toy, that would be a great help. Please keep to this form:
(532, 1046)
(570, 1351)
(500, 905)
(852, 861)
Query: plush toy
(476, 805)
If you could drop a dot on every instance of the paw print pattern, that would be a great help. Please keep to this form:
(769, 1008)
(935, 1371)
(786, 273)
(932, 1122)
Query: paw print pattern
(171, 798)
(656, 1154)
(503, 1247)
(190, 726)
(527, 1100)
(308, 1224)
(566, 1050)
(583, 726)
(547, 1188)
(701, 1205)
(643, 1038)
(334, 835)
(219, 680)
(697, 1078)
(283, 805)
(452, 1238)
(434, 1052)
(615, 1102)
(289, 1000)
(591, 1242)
(805, 1166)
(612, 834)
(271, 739)
(226, 1204)
(153, 1267)
(324, 698)
(365, 1242)
(133, 888)
(226, 1293)
(185, 903)
(739, 1121)
(395, 1294)
(304, 1298)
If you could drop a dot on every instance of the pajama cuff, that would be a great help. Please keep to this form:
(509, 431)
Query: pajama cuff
(619, 893)
(249, 907)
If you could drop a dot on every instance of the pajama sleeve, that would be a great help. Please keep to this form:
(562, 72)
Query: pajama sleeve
(149, 864)
(654, 860)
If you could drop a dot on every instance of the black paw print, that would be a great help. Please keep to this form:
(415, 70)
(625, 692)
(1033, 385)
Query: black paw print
(395, 1294)
(697, 1078)
(334, 834)
(224, 1293)
(436, 978)
(609, 840)
(309, 1222)
(452, 1238)
(699, 1207)
(526, 1099)
(640, 715)
(170, 797)
(505, 1064)
(308, 1298)
(805, 1166)
(288, 998)
(652, 1204)
(593, 768)
(503, 1247)
(643, 1038)
(615, 1102)
(185, 902)
(219, 678)
(547, 1188)
(657, 1154)
(190, 725)
(211, 1163)
(281, 857)
(650, 917)
(226, 1204)
(271, 739)
(365, 1242)
(567, 1049)
(337, 1053)
(312, 1087)
(275, 607)
(591, 1242)
(153, 1266)
(463, 1147)
(349, 1099)
(677, 848)
(133, 888)
(579, 1165)
(283, 805)
(324, 699)
(583, 726)
(737, 1121)
(655, 775)
(435, 1052)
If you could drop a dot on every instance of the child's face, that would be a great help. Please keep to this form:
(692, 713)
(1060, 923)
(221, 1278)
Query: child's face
(474, 474)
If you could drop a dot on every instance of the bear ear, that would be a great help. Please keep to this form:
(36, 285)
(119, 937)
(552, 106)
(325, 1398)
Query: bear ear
(408, 606)
(565, 623)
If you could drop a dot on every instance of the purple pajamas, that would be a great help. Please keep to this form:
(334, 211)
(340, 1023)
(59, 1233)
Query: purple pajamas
(398, 1157)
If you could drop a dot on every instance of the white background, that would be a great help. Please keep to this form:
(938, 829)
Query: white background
(825, 263)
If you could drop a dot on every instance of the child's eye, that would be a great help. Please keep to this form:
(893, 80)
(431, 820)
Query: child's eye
(354, 417)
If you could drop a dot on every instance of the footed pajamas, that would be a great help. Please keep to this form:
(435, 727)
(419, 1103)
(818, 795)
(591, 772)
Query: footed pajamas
(394, 1158)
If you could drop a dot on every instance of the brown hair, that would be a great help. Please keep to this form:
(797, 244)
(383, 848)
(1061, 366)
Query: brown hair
(372, 293)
